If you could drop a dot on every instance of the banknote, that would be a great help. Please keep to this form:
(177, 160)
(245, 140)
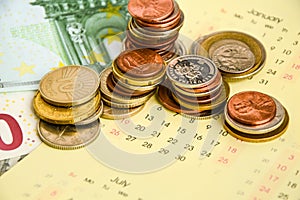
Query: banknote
(39, 36)
(18, 135)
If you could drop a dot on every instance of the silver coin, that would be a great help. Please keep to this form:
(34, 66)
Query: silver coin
(191, 71)
(232, 56)
(259, 129)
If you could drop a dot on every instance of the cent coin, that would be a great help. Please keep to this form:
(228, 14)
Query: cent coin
(150, 10)
(251, 107)
(141, 63)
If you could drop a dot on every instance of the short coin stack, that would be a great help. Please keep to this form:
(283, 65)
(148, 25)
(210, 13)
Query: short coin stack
(69, 105)
(255, 117)
(130, 82)
(155, 25)
(194, 87)
(237, 55)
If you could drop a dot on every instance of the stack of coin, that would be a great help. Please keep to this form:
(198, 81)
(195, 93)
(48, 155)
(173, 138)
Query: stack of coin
(155, 25)
(68, 98)
(194, 87)
(237, 55)
(130, 82)
(255, 117)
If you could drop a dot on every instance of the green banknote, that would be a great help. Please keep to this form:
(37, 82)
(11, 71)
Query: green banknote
(39, 36)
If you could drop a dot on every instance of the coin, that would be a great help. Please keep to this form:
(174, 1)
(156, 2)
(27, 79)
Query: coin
(68, 137)
(220, 99)
(64, 115)
(251, 107)
(258, 137)
(150, 10)
(191, 71)
(243, 45)
(232, 56)
(119, 89)
(118, 98)
(120, 113)
(141, 63)
(272, 125)
(149, 81)
(95, 116)
(69, 85)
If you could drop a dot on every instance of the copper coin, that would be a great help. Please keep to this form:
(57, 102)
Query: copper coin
(150, 10)
(251, 107)
(142, 63)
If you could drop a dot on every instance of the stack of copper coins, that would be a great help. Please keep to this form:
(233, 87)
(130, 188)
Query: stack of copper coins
(194, 87)
(68, 104)
(130, 82)
(255, 117)
(155, 25)
(237, 55)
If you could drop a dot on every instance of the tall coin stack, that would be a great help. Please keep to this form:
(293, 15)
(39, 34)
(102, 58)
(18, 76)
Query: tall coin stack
(130, 82)
(194, 87)
(69, 105)
(255, 117)
(155, 24)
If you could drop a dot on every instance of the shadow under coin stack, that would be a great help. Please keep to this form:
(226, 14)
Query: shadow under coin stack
(69, 105)
(255, 117)
(130, 82)
(155, 24)
(237, 55)
(194, 87)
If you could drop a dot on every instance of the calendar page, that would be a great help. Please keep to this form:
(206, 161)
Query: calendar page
(159, 154)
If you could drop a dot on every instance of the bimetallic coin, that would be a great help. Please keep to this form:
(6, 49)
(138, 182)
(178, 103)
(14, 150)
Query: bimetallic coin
(120, 113)
(64, 115)
(251, 108)
(191, 71)
(150, 10)
(67, 137)
(207, 44)
(69, 86)
(232, 56)
(272, 125)
(141, 63)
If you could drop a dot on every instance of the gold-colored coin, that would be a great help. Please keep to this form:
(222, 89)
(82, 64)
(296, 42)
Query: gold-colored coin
(113, 104)
(64, 115)
(236, 54)
(155, 80)
(94, 117)
(120, 113)
(68, 137)
(109, 95)
(69, 86)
